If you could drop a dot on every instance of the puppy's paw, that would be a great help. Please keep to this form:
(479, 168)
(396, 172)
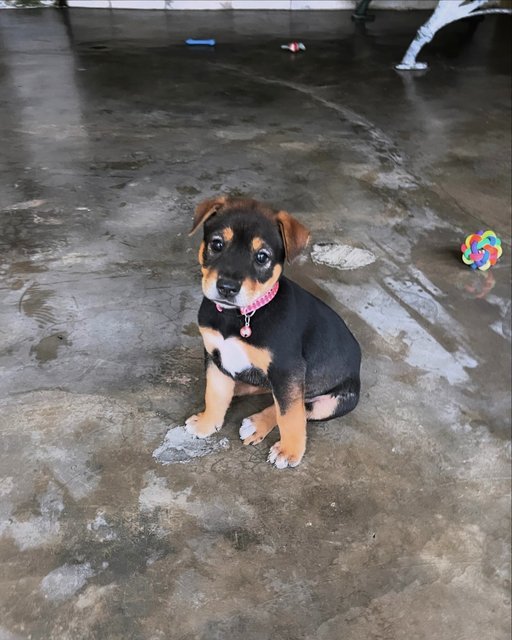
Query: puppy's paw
(249, 432)
(253, 430)
(283, 457)
(247, 429)
(201, 426)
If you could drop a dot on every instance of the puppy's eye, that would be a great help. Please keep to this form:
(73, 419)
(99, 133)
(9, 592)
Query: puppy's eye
(216, 245)
(262, 257)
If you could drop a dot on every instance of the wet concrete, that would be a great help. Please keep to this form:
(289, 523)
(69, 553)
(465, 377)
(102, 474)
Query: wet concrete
(396, 524)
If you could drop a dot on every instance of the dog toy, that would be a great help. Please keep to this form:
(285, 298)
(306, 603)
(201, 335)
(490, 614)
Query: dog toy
(294, 46)
(207, 43)
(481, 250)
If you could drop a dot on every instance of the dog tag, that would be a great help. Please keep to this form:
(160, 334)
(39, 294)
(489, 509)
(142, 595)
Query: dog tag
(246, 331)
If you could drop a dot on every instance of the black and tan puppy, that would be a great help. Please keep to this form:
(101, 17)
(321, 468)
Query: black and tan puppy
(264, 333)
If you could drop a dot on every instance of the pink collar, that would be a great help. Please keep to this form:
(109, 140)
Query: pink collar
(249, 311)
(262, 301)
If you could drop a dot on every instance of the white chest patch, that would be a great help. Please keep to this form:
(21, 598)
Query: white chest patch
(234, 359)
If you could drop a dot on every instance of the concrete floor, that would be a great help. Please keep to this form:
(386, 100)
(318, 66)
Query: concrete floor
(396, 524)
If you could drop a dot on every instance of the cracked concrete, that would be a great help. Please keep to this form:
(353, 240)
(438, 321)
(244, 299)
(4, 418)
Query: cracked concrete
(397, 523)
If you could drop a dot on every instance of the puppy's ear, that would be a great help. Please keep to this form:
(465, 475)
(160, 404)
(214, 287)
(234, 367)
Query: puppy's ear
(295, 235)
(206, 209)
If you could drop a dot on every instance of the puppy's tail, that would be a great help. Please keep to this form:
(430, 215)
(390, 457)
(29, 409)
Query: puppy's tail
(348, 399)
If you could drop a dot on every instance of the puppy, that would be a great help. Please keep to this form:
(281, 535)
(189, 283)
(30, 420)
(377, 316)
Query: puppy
(264, 333)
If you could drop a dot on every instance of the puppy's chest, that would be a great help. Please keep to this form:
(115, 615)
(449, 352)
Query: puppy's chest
(233, 354)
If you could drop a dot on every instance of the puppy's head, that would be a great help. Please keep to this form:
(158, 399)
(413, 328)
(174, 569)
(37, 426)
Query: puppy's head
(244, 247)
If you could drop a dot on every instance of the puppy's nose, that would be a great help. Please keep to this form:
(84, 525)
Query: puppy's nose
(227, 287)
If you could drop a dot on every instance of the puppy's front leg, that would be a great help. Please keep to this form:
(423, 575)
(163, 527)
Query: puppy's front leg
(218, 396)
(291, 420)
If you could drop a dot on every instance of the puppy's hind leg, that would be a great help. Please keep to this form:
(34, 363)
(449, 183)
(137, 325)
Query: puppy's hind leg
(321, 407)
(256, 427)
(335, 404)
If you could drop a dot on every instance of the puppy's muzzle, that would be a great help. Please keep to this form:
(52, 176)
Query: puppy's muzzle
(228, 288)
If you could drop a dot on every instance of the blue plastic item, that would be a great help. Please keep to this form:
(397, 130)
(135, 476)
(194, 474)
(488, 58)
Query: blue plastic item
(207, 43)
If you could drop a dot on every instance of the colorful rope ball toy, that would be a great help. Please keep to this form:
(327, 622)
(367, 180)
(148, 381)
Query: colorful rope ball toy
(481, 250)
